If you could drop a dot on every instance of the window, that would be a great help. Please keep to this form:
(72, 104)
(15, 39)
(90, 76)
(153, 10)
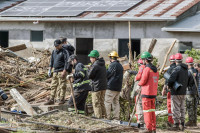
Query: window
(36, 36)
(123, 47)
(183, 46)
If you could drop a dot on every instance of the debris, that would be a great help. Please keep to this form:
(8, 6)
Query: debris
(17, 48)
(22, 102)
(161, 113)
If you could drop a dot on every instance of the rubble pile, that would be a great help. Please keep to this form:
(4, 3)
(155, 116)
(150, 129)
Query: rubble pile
(28, 77)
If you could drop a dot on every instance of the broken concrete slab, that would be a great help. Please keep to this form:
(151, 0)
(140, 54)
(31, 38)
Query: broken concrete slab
(22, 102)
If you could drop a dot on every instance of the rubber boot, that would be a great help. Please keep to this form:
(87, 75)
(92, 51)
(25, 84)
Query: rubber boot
(50, 102)
(182, 127)
(175, 127)
(190, 124)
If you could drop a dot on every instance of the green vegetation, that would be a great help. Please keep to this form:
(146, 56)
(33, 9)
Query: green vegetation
(194, 53)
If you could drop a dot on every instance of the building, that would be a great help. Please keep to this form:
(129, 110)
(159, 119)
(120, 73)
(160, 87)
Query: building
(38, 24)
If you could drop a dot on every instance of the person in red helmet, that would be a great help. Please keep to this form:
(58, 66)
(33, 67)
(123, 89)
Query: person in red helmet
(149, 85)
(139, 110)
(192, 93)
(166, 89)
(179, 75)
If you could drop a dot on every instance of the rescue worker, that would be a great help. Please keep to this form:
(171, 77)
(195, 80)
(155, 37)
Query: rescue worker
(114, 86)
(139, 109)
(67, 46)
(149, 84)
(180, 75)
(59, 61)
(197, 67)
(166, 89)
(81, 85)
(97, 73)
(192, 93)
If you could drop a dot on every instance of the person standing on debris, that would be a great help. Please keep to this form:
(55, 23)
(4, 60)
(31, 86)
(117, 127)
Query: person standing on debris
(179, 75)
(197, 67)
(97, 73)
(67, 46)
(59, 61)
(192, 93)
(166, 89)
(81, 85)
(149, 84)
(139, 110)
(114, 86)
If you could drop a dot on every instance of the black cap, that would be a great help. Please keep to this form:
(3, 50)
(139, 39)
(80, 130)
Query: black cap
(72, 57)
(57, 42)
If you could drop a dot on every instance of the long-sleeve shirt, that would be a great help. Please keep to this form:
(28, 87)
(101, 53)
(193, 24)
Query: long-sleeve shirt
(59, 60)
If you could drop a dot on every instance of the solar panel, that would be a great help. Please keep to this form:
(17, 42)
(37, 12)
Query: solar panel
(67, 7)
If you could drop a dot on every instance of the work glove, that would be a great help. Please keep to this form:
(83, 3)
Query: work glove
(49, 73)
(69, 76)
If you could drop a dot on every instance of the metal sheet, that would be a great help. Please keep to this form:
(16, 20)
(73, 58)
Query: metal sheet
(73, 7)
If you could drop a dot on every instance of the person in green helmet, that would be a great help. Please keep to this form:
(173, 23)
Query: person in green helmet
(97, 73)
(149, 85)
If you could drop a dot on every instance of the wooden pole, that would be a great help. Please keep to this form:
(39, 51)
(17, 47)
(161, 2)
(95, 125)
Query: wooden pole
(134, 109)
(72, 92)
(152, 45)
(129, 44)
(166, 56)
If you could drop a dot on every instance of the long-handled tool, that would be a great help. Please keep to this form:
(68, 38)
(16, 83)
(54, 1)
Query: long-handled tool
(134, 109)
(72, 92)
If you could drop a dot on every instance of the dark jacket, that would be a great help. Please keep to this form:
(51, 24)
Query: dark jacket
(115, 76)
(172, 66)
(97, 74)
(69, 48)
(192, 89)
(179, 74)
(59, 60)
(81, 80)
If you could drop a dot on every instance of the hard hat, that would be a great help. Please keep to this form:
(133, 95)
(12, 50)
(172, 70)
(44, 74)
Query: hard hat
(146, 55)
(94, 53)
(178, 56)
(172, 58)
(113, 54)
(140, 61)
(189, 60)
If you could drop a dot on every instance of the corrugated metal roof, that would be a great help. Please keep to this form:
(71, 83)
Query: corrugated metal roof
(165, 10)
(190, 24)
(5, 4)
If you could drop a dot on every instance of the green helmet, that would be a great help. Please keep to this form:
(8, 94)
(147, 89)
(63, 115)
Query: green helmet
(94, 53)
(146, 55)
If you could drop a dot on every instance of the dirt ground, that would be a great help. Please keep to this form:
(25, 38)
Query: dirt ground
(187, 130)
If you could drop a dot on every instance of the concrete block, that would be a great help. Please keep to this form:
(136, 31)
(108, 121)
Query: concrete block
(41, 108)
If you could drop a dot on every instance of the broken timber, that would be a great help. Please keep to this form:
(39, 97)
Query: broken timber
(17, 48)
(22, 102)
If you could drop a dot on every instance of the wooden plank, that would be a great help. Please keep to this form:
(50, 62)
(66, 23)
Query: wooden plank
(17, 48)
(22, 102)
(166, 56)
(152, 45)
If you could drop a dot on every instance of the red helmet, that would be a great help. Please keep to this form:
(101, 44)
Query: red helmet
(172, 58)
(140, 61)
(178, 56)
(189, 60)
